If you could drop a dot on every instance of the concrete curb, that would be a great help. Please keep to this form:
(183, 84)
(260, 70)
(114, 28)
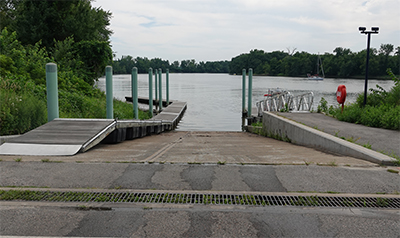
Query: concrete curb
(296, 133)
(4, 139)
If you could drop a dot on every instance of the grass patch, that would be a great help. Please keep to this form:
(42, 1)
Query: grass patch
(368, 146)
(393, 155)
(257, 124)
(393, 171)
(332, 163)
(350, 139)
(194, 163)
(51, 161)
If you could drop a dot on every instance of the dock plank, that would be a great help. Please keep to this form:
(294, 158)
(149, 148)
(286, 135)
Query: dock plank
(70, 136)
(63, 131)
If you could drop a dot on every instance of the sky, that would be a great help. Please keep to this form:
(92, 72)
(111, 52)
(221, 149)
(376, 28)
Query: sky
(213, 30)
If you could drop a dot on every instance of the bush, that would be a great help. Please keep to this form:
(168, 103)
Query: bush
(351, 113)
(23, 85)
(123, 110)
(20, 112)
(382, 109)
(383, 116)
(371, 116)
(391, 118)
(323, 106)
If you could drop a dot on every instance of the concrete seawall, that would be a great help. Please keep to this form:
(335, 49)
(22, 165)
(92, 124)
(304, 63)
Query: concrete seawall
(279, 127)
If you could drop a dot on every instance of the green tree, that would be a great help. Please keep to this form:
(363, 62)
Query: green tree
(384, 52)
(30, 60)
(7, 12)
(95, 56)
(50, 20)
(74, 33)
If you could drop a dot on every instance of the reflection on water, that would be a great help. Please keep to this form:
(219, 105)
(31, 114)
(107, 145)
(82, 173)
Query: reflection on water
(215, 100)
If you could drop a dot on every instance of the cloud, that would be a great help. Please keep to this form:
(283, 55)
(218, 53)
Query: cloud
(218, 30)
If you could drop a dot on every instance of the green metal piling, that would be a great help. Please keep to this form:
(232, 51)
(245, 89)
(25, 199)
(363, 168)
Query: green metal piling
(243, 91)
(156, 84)
(250, 92)
(109, 93)
(151, 92)
(52, 91)
(167, 85)
(134, 84)
(160, 88)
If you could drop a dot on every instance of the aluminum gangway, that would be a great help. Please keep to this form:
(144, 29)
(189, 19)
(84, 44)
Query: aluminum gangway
(285, 101)
(66, 137)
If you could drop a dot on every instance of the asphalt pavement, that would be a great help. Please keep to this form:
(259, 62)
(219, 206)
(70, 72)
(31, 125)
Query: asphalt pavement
(197, 221)
(211, 177)
(220, 162)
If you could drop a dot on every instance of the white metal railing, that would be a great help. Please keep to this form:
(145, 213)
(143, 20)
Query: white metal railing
(285, 101)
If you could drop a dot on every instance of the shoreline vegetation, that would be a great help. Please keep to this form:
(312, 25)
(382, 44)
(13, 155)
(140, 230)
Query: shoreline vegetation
(382, 109)
(23, 96)
(343, 63)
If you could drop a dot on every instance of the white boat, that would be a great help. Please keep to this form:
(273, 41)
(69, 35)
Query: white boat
(317, 76)
(314, 77)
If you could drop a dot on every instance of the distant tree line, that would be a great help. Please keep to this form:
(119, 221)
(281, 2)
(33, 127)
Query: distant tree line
(126, 63)
(342, 63)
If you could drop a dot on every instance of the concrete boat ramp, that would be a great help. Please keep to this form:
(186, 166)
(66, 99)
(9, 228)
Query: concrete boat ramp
(70, 136)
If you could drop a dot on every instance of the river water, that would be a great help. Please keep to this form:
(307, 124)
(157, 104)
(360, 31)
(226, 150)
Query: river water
(214, 101)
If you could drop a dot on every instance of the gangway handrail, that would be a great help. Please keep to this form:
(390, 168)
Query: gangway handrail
(286, 101)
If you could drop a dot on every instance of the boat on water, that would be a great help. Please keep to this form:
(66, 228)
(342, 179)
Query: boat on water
(314, 77)
(317, 76)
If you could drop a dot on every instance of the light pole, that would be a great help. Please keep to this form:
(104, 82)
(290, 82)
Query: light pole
(363, 30)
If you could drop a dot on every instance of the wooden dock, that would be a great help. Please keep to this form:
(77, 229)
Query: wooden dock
(146, 100)
(70, 136)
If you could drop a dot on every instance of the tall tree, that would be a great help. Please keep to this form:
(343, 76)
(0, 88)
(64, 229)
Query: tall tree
(7, 12)
(386, 49)
(50, 20)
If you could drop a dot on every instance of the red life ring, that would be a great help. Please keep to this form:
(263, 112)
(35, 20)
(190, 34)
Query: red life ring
(341, 94)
